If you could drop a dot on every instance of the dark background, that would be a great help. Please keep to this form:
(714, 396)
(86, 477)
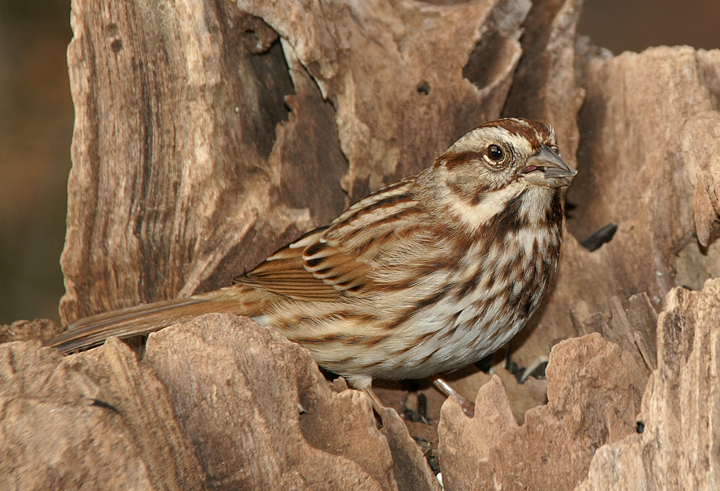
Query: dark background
(36, 118)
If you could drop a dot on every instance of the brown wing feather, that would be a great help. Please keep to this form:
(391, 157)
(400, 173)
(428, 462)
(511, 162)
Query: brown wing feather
(284, 273)
(336, 262)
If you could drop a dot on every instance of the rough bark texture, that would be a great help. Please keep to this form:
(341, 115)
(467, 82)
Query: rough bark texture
(590, 403)
(208, 133)
(678, 448)
(98, 420)
(260, 416)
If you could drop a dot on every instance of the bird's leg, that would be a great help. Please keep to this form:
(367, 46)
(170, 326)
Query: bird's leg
(444, 387)
(532, 367)
(377, 405)
(374, 400)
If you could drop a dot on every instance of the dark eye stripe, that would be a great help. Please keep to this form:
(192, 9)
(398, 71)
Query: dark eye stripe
(455, 159)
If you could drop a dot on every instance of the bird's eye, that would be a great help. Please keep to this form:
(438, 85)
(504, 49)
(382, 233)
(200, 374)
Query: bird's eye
(495, 153)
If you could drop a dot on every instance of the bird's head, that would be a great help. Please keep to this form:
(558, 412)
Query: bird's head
(495, 163)
(502, 152)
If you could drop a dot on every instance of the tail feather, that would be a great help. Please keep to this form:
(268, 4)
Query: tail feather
(144, 319)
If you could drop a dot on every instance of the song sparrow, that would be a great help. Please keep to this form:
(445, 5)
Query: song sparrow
(424, 276)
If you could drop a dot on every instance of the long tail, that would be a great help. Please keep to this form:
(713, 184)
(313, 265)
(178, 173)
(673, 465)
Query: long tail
(144, 319)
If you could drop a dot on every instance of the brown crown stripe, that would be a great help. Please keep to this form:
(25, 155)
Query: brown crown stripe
(525, 129)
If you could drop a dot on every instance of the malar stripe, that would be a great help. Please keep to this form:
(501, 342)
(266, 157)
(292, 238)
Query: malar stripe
(510, 219)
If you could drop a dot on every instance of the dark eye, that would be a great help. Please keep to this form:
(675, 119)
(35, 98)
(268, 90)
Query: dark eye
(495, 153)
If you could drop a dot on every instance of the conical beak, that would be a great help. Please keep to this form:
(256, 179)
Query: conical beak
(546, 168)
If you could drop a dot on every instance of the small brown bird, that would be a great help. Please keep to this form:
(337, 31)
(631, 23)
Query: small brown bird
(424, 276)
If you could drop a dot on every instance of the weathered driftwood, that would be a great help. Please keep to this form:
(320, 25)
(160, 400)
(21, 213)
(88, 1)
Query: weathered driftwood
(208, 133)
(590, 403)
(677, 448)
(218, 403)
